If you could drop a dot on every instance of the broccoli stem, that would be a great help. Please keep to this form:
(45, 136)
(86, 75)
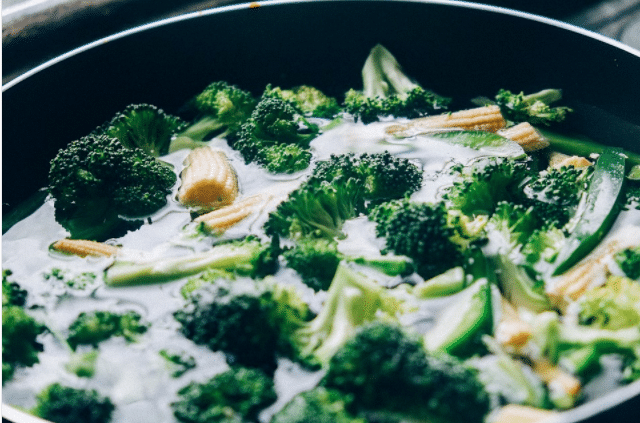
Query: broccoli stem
(224, 257)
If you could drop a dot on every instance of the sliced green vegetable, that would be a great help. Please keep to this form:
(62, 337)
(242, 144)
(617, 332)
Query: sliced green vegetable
(600, 211)
(463, 322)
(449, 282)
(488, 142)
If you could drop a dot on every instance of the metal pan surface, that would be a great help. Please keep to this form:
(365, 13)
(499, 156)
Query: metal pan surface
(461, 49)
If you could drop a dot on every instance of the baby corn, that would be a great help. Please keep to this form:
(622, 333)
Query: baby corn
(558, 160)
(486, 118)
(526, 136)
(222, 219)
(83, 248)
(513, 413)
(208, 180)
(512, 331)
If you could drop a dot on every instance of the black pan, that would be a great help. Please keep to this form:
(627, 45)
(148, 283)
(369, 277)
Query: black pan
(457, 49)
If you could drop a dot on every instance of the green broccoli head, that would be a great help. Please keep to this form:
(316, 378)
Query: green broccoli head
(251, 323)
(315, 260)
(94, 327)
(382, 175)
(100, 187)
(309, 100)
(615, 305)
(234, 396)
(143, 126)
(275, 122)
(563, 186)
(387, 369)
(629, 261)
(12, 293)
(221, 107)
(478, 188)
(388, 91)
(319, 405)
(420, 231)
(317, 209)
(285, 158)
(533, 108)
(19, 330)
(62, 404)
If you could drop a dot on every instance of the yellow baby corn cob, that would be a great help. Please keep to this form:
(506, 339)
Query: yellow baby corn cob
(83, 248)
(526, 136)
(513, 413)
(558, 160)
(512, 331)
(208, 180)
(220, 220)
(486, 118)
(556, 378)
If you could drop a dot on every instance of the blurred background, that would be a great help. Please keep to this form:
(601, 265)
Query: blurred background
(34, 31)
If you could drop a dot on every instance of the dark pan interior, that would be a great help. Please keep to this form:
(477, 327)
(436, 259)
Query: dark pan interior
(457, 50)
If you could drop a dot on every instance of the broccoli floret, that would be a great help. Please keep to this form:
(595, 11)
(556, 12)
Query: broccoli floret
(387, 91)
(319, 405)
(143, 126)
(273, 122)
(94, 327)
(533, 108)
(543, 245)
(420, 231)
(286, 158)
(563, 185)
(19, 330)
(12, 294)
(75, 281)
(387, 369)
(178, 362)
(247, 257)
(234, 396)
(251, 323)
(513, 223)
(615, 305)
(317, 209)
(309, 100)
(382, 175)
(352, 300)
(480, 187)
(316, 261)
(99, 186)
(221, 108)
(629, 262)
(62, 404)
(632, 193)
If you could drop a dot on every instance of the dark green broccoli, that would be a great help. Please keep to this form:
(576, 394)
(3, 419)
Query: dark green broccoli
(563, 186)
(317, 209)
(220, 108)
(316, 261)
(19, 330)
(250, 322)
(274, 122)
(389, 92)
(12, 294)
(286, 158)
(319, 405)
(234, 396)
(101, 188)
(143, 126)
(513, 224)
(353, 299)
(533, 108)
(178, 362)
(62, 404)
(478, 188)
(248, 257)
(382, 175)
(386, 369)
(94, 327)
(309, 100)
(629, 262)
(632, 193)
(420, 231)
